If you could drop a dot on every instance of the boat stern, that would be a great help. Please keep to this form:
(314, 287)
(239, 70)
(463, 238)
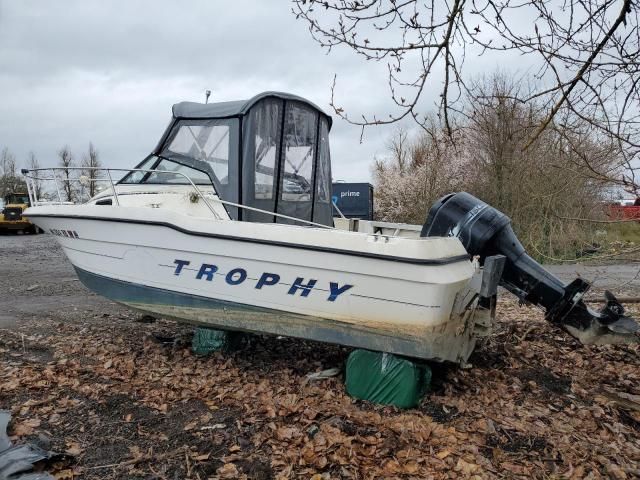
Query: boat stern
(472, 316)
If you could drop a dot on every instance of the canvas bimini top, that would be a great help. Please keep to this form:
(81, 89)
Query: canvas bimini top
(235, 108)
(270, 152)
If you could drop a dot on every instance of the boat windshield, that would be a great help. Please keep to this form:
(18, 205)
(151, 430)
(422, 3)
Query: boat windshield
(205, 141)
(16, 198)
(205, 150)
(157, 163)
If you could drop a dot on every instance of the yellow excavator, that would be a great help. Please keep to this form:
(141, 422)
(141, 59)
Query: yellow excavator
(11, 213)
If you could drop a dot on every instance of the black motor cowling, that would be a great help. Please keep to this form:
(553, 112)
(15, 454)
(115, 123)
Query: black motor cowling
(485, 231)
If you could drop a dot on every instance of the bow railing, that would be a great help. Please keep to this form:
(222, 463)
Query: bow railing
(33, 177)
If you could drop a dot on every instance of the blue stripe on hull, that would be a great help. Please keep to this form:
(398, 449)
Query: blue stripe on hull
(442, 346)
(127, 292)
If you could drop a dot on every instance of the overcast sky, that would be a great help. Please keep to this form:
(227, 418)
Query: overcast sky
(108, 72)
(74, 71)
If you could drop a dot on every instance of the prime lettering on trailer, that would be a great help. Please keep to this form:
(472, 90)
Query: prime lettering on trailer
(300, 286)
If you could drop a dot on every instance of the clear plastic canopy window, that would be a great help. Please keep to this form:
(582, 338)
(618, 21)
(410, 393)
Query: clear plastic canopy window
(207, 143)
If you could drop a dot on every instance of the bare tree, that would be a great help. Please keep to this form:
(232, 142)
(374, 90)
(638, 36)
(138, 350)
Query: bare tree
(540, 188)
(33, 164)
(66, 162)
(7, 162)
(584, 58)
(9, 180)
(495, 135)
(91, 163)
(398, 146)
(416, 172)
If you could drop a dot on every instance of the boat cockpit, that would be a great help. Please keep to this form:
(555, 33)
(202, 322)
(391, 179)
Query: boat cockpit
(269, 153)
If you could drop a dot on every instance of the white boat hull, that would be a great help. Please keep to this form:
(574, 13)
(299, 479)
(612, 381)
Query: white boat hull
(271, 278)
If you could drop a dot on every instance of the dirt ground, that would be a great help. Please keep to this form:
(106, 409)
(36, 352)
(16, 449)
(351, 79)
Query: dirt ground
(123, 396)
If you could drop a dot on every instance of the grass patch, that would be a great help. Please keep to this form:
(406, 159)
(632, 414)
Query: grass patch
(624, 232)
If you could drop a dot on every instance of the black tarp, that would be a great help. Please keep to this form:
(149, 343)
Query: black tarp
(17, 461)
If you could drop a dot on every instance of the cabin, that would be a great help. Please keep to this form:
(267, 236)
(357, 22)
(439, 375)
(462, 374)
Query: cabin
(270, 153)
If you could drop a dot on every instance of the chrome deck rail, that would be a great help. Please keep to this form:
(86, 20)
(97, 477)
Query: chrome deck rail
(31, 176)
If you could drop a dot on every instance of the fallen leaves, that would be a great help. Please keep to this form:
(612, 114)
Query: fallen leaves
(229, 470)
(287, 433)
(443, 454)
(622, 399)
(538, 405)
(73, 448)
(26, 427)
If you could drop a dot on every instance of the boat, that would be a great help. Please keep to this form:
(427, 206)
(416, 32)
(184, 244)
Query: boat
(229, 224)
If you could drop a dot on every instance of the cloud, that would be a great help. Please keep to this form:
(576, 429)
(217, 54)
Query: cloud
(108, 72)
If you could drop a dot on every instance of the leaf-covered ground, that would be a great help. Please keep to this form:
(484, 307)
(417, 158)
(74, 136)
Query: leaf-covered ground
(127, 399)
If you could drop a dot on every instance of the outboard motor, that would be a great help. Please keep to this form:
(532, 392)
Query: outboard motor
(485, 231)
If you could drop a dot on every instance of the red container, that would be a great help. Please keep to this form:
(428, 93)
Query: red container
(620, 212)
